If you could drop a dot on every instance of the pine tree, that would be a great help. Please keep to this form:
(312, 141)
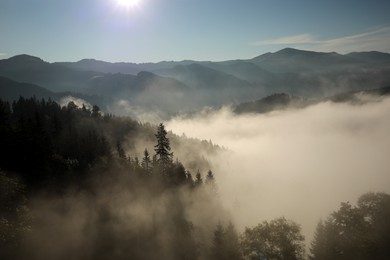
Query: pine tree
(210, 183)
(96, 111)
(163, 149)
(217, 247)
(198, 179)
(146, 163)
(232, 243)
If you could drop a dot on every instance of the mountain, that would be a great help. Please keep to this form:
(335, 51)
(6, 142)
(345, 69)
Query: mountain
(355, 96)
(102, 66)
(293, 60)
(201, 77)
(25, 68)
(11, 90)
(370, 57)
(146, 89)
(243, 70)
(281, 101)
(215, 87)
(171, 86)
(120, 67)
(273, 102)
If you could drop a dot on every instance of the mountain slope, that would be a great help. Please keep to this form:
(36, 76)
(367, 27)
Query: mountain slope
(188, 85)
(371, 56)
(146, 89)
(215, 87)
(25, 68)
(293, 60)
(11, 90)
(273, 102)
(243, 70)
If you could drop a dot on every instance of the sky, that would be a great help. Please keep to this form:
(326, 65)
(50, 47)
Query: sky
(216, 30)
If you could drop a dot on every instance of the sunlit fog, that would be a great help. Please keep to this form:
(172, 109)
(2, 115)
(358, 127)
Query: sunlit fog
(297, 163)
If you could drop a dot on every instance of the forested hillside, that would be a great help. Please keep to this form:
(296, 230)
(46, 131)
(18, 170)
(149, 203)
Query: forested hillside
(74, 187)
(65, 172)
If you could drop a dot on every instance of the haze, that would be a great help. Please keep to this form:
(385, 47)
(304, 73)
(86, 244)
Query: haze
(297, 163)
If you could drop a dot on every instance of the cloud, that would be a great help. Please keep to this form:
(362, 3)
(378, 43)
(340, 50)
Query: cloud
(296, 163)
(289, 40)
(377, 39)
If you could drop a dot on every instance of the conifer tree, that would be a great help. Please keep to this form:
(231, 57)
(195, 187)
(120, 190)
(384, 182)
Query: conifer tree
(198, 179)
(217, 247)
(162, 148)
(146, 163)
(210, 182)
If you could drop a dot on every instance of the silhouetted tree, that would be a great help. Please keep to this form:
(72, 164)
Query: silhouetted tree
(146, 163)
(210, 183)
(96, 111)
(217, 247)
(279, 239)
(163, 149)
(15, 219)
(360, 232)
(225, 243)
(198, 179)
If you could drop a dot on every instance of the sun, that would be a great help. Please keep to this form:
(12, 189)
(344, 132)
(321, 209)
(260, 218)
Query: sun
(128, 3)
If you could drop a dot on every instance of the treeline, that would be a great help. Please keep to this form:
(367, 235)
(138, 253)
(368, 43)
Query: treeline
(48, 144)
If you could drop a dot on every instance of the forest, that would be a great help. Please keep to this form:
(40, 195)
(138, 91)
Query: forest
(70, 189)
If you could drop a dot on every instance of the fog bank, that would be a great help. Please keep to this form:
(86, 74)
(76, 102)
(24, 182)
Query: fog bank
(296, 163)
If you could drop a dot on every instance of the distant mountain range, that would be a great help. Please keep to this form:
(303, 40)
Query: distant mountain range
(188, 85)
(281, 101)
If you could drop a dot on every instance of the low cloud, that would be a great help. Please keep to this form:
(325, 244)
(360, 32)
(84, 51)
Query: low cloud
(124, 107)
(79, 102)
(296, 163)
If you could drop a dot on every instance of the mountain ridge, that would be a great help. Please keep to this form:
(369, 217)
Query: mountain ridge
(172, 86)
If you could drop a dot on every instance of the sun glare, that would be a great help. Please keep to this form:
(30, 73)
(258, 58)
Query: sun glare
(128, 3)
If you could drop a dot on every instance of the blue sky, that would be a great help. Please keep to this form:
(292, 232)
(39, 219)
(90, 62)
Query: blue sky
(156, 30)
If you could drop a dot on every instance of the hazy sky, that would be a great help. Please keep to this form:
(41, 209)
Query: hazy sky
(155, 30)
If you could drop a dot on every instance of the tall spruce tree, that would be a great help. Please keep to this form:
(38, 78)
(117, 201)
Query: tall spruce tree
(162, 148)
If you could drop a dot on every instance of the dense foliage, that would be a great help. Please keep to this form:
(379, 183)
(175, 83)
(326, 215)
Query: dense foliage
(355, 232)
(279, 239)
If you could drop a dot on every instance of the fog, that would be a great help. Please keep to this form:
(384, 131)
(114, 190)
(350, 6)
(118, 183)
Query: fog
(119, 219)
(296, 163)
(77, 101)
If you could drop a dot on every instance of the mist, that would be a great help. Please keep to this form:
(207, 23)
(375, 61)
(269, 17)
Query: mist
(298, 163)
